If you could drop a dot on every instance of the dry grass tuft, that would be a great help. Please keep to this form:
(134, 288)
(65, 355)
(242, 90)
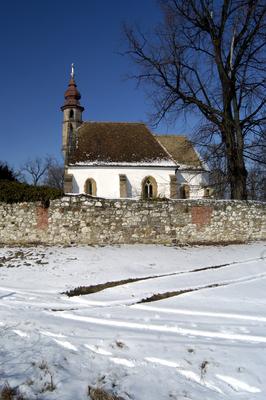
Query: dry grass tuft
(101, 394)
(203, 368)
(9, 393)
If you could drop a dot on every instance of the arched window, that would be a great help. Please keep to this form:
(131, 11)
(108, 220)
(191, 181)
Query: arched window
(149, 188)
(90, 187)
(206, 192)
(71, 114)
(184, 192)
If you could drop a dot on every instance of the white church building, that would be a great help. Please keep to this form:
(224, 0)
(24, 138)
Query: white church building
(125, 159)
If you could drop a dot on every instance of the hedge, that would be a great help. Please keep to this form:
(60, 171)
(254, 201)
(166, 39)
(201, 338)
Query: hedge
(16, 192)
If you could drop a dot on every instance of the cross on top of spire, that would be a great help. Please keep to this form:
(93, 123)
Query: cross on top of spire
(72, 71)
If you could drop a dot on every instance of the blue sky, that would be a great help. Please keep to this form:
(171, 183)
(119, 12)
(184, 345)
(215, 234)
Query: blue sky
(39, 41)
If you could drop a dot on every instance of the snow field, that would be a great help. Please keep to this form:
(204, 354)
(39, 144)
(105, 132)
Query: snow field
(208, 343)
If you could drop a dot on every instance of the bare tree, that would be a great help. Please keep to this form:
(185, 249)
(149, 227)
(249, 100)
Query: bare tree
(36, 168)
(256, 183)
(218, 180)
(208, 57)
(54, 176)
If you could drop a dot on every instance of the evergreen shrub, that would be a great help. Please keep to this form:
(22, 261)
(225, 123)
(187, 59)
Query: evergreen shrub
(16, 192)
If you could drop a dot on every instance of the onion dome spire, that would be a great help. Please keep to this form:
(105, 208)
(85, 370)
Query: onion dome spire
(72, 95)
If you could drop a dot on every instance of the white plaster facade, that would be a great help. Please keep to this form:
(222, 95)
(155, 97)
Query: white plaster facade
(107, 180)
(197, 181)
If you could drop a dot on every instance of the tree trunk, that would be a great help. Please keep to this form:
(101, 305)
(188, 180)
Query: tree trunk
(233, 137)
(237, 174)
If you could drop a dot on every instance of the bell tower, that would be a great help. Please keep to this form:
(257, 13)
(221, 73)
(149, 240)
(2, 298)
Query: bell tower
(72, 116)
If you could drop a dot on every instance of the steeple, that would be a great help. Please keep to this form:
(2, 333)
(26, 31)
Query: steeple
(72, 115)
(72, 95)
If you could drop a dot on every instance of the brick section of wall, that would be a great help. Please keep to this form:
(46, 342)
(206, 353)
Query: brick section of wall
(86, 220)
(201, 215)
(42, 217)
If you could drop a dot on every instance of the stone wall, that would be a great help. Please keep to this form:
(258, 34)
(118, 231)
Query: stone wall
(85, 220)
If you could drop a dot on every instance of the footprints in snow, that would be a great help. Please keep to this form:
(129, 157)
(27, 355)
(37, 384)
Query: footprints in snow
(66, 344)
(238, 385)
(20, 333)
(98, 350)
(233, 383)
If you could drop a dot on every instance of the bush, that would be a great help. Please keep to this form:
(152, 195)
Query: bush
(16, 192)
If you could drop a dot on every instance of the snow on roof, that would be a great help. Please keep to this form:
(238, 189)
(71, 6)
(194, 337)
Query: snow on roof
(153, 163)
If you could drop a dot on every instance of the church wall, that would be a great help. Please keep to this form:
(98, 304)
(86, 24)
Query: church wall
(108, 183)
(94, 221)
(196, 181)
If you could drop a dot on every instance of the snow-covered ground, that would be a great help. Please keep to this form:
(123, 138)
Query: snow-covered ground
(207, 342)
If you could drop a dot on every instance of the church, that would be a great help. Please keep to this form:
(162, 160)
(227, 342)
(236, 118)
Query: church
(125, 159)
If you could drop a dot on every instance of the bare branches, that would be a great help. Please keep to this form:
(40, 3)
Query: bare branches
(36, 168)
(54, 176)
(209, 57)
